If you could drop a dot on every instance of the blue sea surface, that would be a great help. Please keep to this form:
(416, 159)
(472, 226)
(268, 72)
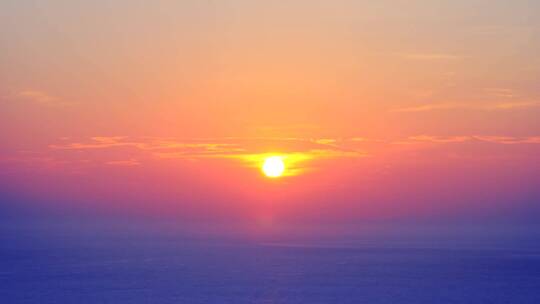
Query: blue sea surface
(149, 268)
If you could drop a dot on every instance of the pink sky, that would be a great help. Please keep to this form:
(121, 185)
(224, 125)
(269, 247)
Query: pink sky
(169, 108)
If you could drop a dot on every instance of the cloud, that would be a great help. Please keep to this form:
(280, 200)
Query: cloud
(148, 144)
(431, 56)
(232, 147)
(128, 162)
(98, 142)
(427, 107)
(439, 139)
(501, 106)
(41, 98)
(251, 151)
(514, 105)
(301, 153)
(501, 92)
(506, 140)
(325, 141)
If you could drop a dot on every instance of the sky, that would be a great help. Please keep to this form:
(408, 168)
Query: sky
(383, 111)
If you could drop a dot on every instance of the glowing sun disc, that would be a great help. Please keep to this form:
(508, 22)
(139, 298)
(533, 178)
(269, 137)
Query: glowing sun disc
(273, 166)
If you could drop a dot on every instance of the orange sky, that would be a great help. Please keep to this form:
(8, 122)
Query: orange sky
(385, 108)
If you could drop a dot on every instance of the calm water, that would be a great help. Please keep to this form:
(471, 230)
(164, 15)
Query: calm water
(132, 268)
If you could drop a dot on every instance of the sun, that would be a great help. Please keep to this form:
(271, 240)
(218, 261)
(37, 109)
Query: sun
(273, 166)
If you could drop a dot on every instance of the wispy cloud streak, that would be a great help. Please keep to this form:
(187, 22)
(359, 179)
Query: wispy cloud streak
(40, 98)
(249, 150)
(501, 106)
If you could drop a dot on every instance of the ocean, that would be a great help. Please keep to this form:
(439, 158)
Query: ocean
(75, 267)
